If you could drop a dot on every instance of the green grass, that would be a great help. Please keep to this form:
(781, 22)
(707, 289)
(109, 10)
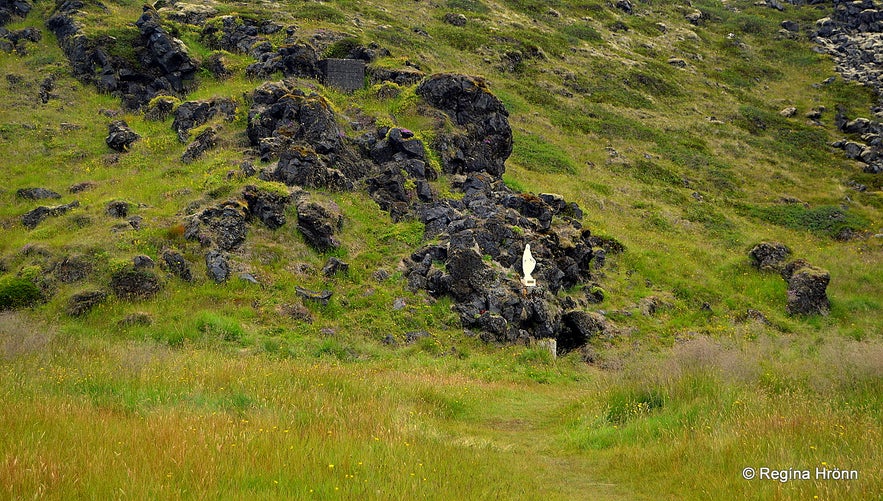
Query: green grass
(826, 220)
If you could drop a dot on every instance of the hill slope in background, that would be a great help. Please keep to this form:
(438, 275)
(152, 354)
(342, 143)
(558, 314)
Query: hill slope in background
(180, 282)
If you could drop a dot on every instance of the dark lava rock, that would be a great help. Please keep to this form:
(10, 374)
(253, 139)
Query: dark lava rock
(117, 208)
(225, 225)
(238, 35)
(31, 219)
(486, 142)
(806, 288)
(204, 141)
(13, 8)
(269, 207)
(302, 166)
(120, 136)
(176, 263)
(579, 328)
(192, 114)
(161, 64)
(83, 302)
(400, 76)
(164, 51)
(217, 267)
(319, 222)
(625, 6)
(72, 269)
(131, 283)
(36, 193)
(769, 255)
(321, 297)
(791, 26)
(298, 59)
(282, 118)
(335, 266)
(414, 336)
(216, 64)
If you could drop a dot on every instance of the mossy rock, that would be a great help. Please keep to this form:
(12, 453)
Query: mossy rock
(130, 283)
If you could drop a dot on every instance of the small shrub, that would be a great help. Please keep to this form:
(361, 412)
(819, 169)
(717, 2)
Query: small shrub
(18, 292)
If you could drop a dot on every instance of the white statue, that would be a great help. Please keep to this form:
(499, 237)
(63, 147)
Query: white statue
(528, 263)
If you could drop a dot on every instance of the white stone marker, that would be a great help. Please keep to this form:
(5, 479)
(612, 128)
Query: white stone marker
(528, 263)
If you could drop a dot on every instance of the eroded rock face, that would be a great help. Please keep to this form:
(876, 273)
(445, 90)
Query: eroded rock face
(163, 65)
(486, 141)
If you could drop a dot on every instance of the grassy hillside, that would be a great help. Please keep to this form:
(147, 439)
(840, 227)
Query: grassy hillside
(667, 134)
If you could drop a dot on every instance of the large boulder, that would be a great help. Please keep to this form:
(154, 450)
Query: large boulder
(807, 286)
(486, 141)
(319, 222)
(282, 117)
(580, 327)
